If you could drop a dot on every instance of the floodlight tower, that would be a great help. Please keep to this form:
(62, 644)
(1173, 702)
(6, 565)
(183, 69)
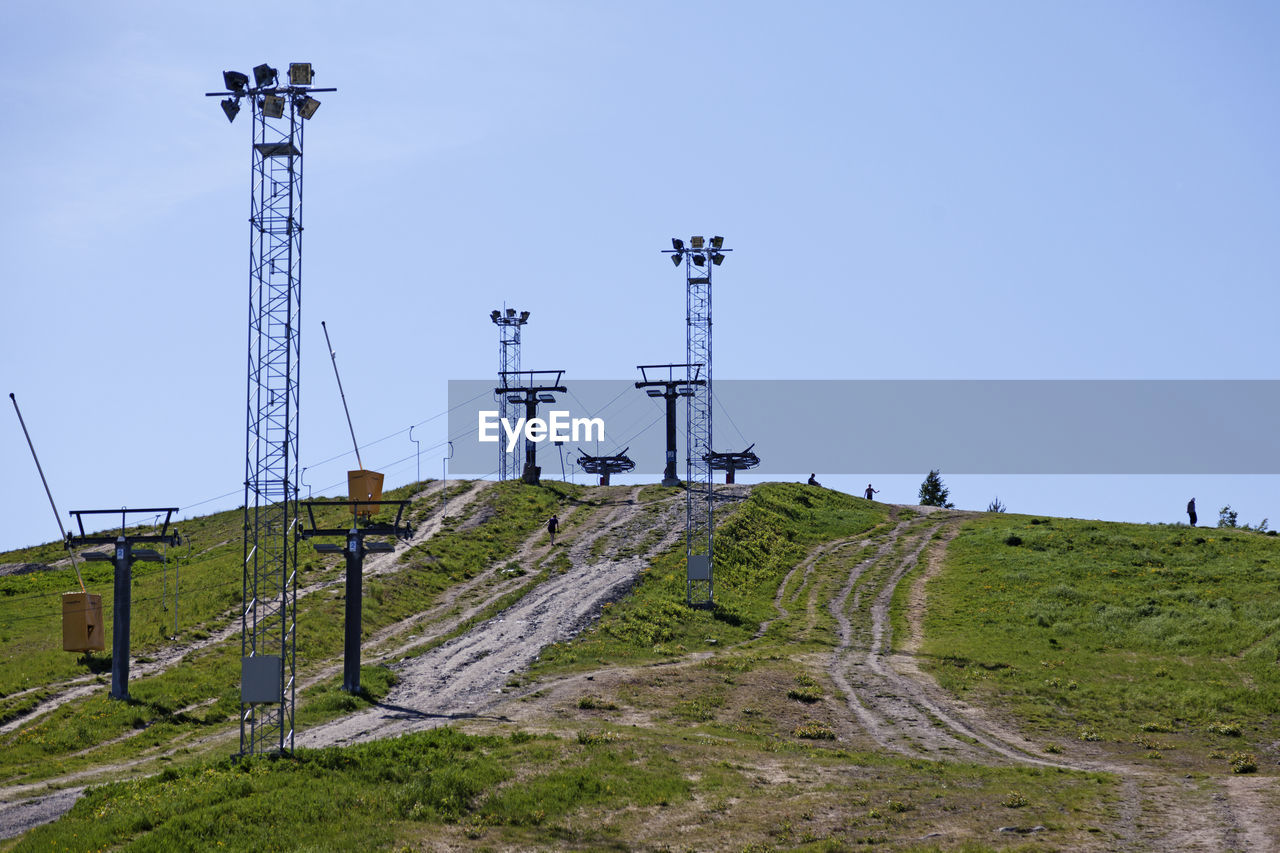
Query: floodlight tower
(268, 618)
(699, 258)
(508, 323)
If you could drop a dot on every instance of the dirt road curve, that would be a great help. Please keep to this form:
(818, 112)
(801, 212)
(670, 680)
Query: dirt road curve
(905, 710)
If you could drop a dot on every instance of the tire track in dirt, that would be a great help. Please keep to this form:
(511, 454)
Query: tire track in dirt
(162, 659)
(465, 676)
(1157, 811)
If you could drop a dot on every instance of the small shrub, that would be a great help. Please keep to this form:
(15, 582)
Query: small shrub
(593, 738)
(814, 731)
(595, 703)
(1243, 762)
(1088, 734)
(1229, 729)
(1013, 540)
(1015, 800)
(808, 695)
(1053, 749)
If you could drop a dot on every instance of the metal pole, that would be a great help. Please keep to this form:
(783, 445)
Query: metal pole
(56, 517)
(334, 356)
(444, 478)
(417, 453)
(669, 476)
(120, 628)
(355, 579)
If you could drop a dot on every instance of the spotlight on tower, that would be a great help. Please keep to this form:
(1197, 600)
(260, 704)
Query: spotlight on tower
(677, 244)
(699, 260)
(264, 75)
(273, 106)
(511, 312)
(677, 258)
(717, 259)
(717, 242)
(696, 241)
(301, 74)
(524, 316)
(307, 107)
(235, 81)
(231, 106)
(546, 398)
(495, 315)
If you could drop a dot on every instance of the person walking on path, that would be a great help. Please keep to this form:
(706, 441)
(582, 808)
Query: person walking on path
(1191, 511)
(870, 492)
(813, 481)
(552, 524)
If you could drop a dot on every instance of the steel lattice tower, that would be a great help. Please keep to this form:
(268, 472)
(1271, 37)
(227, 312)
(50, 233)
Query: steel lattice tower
(699, 259)
(509, 323)
(269, 618)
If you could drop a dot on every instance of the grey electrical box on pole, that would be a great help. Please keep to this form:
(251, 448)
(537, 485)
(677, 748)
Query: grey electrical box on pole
(700, 257)
(280, 109)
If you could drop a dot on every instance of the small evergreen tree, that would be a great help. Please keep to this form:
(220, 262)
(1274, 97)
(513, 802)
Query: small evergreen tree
(996, 505)
(933, 492)
(1227, 516)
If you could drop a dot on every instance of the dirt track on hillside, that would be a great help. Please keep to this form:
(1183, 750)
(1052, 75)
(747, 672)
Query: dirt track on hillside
(884, 693)
(464, 677)
(903, 709)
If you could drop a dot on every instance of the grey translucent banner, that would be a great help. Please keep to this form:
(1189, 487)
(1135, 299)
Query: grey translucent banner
(912, 426)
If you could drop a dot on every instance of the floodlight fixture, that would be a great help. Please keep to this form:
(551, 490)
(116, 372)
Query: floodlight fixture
(654, 392)
(494, 316)
(511, 312)
(301, 74)
(697, 242)
(524, 316)
(717, 242)
(677, 258)
(514, 398)
(699, 260)
(273, 106)
(546, 398)
(677, 244)
(717, 259)
(231, 106)
(235, 81)
(307, 107)
(264, 75)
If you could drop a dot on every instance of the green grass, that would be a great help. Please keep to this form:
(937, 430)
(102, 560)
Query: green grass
(1086, 628)
(747, 748)
(757, 543)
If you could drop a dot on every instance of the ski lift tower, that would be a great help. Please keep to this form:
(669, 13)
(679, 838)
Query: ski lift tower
(268, 619)
(509, 324)
(699, 258)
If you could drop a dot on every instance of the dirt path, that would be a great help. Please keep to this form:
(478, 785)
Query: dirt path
(465, 676)
(904, 709)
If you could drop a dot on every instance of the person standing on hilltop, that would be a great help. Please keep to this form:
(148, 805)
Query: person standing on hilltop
(1191, 511)
(870, 492)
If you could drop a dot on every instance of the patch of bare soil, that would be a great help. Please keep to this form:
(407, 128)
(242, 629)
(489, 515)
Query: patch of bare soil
(1157, 811)
(465, 677)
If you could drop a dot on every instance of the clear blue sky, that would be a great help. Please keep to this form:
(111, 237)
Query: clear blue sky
(912, 190)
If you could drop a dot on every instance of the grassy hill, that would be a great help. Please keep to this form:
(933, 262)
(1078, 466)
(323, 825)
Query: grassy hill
(1125, 675)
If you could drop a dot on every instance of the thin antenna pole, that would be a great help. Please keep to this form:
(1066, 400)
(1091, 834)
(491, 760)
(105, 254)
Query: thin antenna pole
(53, 506)
(334, 357)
